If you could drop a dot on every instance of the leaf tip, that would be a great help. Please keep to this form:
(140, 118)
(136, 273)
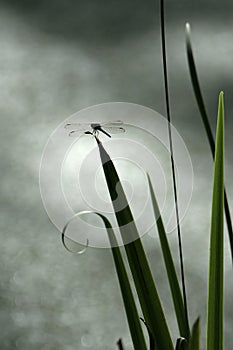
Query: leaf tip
(187, 27)
(221, 102)
(188, 36)
(187, 31)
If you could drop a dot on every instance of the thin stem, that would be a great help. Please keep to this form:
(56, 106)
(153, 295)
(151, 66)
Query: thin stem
(164, 57)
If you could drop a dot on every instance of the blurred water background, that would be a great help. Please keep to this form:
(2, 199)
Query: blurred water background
(58, 57)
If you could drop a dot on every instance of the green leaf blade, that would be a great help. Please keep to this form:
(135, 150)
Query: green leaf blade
(205, 120)
(170, 268)
(141, 272)
(215, 295)
(126, 291)
(194, 343)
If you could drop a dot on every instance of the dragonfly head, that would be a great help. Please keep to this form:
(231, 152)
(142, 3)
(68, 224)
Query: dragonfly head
(95, 126)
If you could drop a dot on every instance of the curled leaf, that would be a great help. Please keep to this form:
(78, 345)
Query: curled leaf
(151, 338)
(181, 344)
(126, 291)
(79, 252)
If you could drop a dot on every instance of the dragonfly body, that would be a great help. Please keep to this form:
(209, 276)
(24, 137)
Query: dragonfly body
(105, 128)
(97, 127)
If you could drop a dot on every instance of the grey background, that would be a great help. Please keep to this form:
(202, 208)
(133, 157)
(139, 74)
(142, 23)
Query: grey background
(58, 57)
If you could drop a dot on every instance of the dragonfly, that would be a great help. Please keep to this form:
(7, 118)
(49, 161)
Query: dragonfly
(107, 128)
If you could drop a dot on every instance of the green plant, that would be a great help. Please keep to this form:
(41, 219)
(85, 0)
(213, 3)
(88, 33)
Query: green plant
(154, 317)
(144, 281)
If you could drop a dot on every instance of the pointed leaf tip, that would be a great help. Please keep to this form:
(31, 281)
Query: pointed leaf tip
(188, 27)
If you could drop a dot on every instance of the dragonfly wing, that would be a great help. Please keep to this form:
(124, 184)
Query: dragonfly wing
(76, 126)
(75, 133)
(114, 129)
(116, 123)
